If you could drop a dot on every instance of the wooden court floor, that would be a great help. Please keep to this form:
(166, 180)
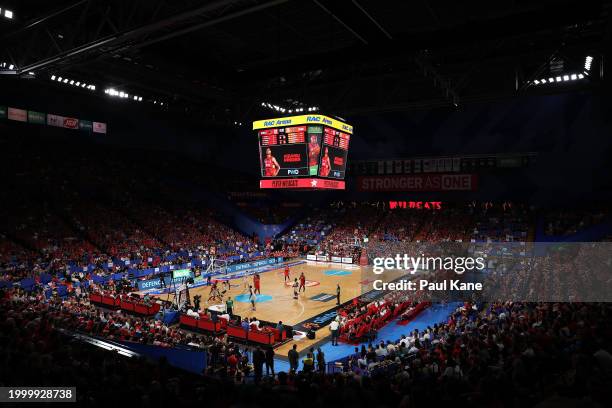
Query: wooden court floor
(279, 305)
(321, 279)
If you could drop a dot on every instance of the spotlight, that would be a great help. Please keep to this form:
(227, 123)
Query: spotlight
(72, 82)
(536, 82)
(140, 99)
(78, 83)
(566, 77)
(65, 80)
(587, 63)
(83, 85)
(580, 76)
(573, 77)
(8, 14)
(53, 77)
(11, 66)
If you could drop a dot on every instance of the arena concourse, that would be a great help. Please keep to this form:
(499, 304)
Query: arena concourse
(209, 203)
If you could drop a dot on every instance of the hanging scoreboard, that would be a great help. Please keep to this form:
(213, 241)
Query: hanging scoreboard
(304, 146)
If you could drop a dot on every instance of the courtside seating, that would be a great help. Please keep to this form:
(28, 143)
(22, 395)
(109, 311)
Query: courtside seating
(237, 332)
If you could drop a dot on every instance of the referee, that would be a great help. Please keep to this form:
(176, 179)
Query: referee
(338, 295)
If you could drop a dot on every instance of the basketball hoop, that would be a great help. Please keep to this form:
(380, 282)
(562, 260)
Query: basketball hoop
(217, 266)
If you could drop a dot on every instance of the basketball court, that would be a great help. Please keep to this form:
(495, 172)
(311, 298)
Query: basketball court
(276, 302)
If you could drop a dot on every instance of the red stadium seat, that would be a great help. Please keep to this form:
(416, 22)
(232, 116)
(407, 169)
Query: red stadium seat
(237, 332)
(261, 336)
(188, 321)
(129, 306)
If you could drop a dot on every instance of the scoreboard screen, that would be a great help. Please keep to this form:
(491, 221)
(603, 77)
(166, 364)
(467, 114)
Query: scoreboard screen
(303, 146)
(334, 153)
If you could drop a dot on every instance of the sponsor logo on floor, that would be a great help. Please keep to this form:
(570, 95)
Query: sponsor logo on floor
(323, 297)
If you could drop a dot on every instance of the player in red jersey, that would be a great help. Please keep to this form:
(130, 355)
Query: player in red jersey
(313, 151)
(325, 164)
(257, 284)
(287, 278)
(271, 166)
(302, 282)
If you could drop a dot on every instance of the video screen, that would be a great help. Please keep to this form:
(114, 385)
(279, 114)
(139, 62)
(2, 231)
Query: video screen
(290, 151)
(283, 152)
(334, 153)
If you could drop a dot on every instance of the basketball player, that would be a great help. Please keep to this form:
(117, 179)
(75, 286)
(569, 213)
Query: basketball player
(325, 164)
(313, 151)
(257, 283)
(271, 166)
(214, 292)
(226, 285)
(295, 288)
(252, 298)
(245, 282)
(287, 278)
(302, 283)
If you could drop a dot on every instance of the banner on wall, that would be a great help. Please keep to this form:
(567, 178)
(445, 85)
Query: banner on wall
(55, 120)
(99, 127)
(347, 260)
(71, 123)
(38, 118)
(336, 259)
(311, 257)
(418, 182)
(19, 115)
(250, 265)
(86, 125)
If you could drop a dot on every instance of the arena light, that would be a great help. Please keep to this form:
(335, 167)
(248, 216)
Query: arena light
(587, 62)
(8, 14)
(561, 78)
(53, 77)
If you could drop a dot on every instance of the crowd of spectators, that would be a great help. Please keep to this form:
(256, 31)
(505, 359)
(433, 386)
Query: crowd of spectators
(564, 222)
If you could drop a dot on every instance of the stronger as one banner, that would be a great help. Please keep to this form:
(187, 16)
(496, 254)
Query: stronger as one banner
(418, 182)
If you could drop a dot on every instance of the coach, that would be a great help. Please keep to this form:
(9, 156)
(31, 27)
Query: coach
(334, 326)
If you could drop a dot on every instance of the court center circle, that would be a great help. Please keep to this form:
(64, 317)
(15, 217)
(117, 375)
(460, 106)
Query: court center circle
(308, 283)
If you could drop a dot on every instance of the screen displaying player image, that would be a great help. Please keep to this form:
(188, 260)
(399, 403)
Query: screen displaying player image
(271, 166)
(314, 150)
(325, 163)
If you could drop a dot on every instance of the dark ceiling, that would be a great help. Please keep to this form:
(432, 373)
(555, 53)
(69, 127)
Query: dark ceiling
(222, 59)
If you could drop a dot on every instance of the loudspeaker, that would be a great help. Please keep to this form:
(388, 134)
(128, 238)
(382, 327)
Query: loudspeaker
(310, 334)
